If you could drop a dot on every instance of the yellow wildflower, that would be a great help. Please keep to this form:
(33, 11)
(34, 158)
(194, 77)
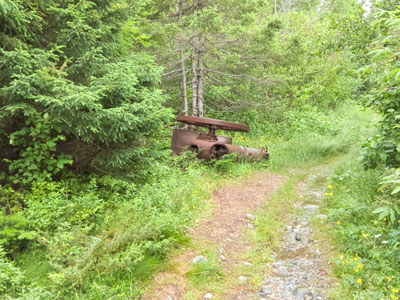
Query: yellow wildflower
(196, 192)
(388, 278)
(395, 290)
(385, 219)
(359, 280)
(365, 235)
(356, 270)
(337, 222)
(360, 265)
(356, 258)
(330, 194)
(330, 186)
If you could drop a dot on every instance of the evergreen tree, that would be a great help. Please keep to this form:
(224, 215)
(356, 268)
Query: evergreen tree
(73, 90)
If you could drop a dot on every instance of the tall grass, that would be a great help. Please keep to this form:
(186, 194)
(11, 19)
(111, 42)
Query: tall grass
(317, 140)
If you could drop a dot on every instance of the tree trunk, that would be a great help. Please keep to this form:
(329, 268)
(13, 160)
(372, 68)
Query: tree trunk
(194, 83)
(200, 97)
(184, 80)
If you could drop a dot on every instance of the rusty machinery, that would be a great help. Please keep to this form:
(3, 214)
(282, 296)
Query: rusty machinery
(209, 145)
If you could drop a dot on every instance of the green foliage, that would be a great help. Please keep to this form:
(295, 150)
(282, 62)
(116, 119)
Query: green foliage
(366, 230)
(102, 236)
(389, 201)
(38, 160)
(258, 63)
(67, 91)
(383, 75)
(79, 88)
(50, 205)
(225, 163)
(11, 278)
(15, 229)
(14, 232)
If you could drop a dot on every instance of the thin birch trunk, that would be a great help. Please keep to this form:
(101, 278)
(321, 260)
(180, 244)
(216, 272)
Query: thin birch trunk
(194, 83)
(183, 68)
(200, 97)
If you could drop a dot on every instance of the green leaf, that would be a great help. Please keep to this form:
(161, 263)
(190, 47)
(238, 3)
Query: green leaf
(27, 235)
(396, 190)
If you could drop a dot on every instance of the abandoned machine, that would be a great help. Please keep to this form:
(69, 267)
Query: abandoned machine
(208, 145)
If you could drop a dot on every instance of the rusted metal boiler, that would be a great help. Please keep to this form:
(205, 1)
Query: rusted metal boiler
(210, 146)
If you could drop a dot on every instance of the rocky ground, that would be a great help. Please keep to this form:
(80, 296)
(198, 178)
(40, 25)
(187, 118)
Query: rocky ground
(299, 271)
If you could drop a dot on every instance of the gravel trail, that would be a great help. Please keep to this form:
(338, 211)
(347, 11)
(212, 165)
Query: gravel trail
(300, 270)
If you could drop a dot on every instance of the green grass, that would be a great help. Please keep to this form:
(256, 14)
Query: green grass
(309, 147)
(369, 262)
(34, 265)
(204, 273)
(137, 227)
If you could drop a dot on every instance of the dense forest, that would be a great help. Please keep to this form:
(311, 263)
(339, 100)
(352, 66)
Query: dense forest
(92, 201)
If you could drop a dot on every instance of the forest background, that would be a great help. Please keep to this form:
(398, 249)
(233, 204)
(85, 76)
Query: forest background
(93, 202)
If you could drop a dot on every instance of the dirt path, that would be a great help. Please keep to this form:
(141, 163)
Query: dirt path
(298, 271)
(224, 231)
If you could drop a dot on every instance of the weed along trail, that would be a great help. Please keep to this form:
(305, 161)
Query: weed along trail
(217, 243)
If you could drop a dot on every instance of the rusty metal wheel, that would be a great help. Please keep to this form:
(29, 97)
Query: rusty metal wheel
(214, 124)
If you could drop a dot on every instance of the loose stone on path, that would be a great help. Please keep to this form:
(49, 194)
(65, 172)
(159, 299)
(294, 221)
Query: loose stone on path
(243, 279)
(199, 259)
(297, 273)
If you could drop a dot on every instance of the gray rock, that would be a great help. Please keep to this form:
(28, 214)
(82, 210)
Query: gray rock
(247, 263)
(303, 294)
(297, 237)
(208, 296)
(251, 217)
(311, 207)
(169, 298)
(199, 259)
(243, 279)
(222, 257)
(251, 226)
(265, 291)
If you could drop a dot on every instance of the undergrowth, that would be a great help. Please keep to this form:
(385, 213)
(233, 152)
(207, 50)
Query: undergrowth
(101, 237)
(369, 264)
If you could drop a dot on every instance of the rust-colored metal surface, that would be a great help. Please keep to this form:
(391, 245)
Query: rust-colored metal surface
(204, 122)
(209, 145)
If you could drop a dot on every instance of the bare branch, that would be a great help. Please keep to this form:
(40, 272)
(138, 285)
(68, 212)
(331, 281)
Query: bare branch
(265, 81)
(172, 72)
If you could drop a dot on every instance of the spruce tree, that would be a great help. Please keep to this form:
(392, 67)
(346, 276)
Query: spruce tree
(74, 89)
